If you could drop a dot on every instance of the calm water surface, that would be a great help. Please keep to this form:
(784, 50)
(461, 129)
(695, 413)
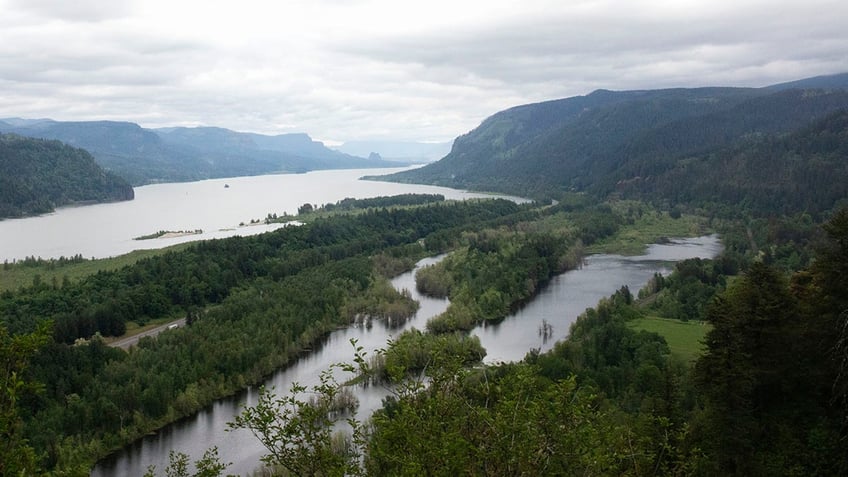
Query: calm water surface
(208, 428)
(569, 294)
(559, 303)
(105, 230)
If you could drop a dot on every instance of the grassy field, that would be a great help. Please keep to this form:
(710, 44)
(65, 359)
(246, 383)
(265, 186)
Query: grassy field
(649, 228)
(684, 337)
(14, 276)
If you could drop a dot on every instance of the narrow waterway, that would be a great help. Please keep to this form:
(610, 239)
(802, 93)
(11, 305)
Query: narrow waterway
(569, 294)
(559, 304)
(208, 428)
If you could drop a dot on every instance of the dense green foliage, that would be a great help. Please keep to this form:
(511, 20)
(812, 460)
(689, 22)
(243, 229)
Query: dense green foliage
(766, 175)
(17, 457)
(390, 201)
(98, 397)
(769, 379)
(498, 421)
(414, 351)
(685, 294)
(309, 211)
(206, 273)
(766, 397)
(21, 273)
(40, 175)
(492, 275)
(763, 399)
(294, 284)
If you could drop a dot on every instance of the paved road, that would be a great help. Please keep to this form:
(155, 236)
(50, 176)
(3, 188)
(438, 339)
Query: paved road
(130, 341)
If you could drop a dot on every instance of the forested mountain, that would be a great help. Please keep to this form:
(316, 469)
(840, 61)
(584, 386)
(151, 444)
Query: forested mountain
(803, 171)
(39, 175)
(592, 143)
(183, 154)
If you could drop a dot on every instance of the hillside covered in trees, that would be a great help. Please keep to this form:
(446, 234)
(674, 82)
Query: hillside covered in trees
(144, 156)
(40, 175)
(766, 174)
(644, 140)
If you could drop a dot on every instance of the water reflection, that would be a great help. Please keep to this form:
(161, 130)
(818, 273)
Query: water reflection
(560, 303)
(206, 429)
(105, 230)
(554, 309)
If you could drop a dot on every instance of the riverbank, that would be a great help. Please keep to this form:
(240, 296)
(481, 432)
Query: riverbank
(314, 355)
(648, 227)
(281, 283)
(169, 234)
(203, 397)
(560, 302)
(202, 205)
(23, 273)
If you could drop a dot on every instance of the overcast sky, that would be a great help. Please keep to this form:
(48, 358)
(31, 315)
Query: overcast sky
(388, 69)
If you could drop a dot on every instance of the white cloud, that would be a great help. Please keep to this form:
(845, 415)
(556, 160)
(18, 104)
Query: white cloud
(343, 70)
(76, 11)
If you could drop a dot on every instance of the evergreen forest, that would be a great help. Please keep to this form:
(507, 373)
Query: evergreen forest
(40, 175)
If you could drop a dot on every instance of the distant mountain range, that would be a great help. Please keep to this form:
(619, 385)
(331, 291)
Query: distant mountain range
(695, 146)
(145, 156)
(39, 175)
(409, 152)
(638, 143)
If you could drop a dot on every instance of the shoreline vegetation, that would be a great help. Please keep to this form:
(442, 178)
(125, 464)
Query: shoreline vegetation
(169, 234)
(298, 283)
(243, 284)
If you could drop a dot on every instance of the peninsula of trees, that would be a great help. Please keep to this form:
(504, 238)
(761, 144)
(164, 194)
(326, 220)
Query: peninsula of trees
(39, 175)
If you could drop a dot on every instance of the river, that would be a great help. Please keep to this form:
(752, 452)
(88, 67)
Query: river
(216, 207)
(559, 303)
(569, 294)
(208, 428)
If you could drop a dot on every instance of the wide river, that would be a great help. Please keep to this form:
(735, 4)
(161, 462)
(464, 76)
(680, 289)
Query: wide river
(215, 206)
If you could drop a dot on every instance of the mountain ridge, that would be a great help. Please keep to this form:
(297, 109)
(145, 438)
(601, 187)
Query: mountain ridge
(144, 156)
(592, 143)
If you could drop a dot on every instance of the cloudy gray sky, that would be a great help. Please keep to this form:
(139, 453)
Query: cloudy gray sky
(388, 69)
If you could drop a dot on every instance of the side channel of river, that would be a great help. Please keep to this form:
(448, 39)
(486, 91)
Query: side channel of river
(558, 304)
